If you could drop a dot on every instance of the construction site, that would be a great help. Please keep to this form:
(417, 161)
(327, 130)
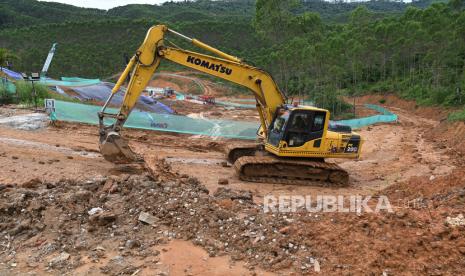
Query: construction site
(175, 172)
(205, 219)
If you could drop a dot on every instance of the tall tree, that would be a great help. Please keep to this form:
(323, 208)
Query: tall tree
(274, 19)
(6, 55)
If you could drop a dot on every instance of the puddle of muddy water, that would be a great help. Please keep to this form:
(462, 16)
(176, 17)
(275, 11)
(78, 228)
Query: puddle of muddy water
(200, 161)
(184, 258)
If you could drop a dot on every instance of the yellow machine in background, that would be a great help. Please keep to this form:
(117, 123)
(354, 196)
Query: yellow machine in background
(293, 140)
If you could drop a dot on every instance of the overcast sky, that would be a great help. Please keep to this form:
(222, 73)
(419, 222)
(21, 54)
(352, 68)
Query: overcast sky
(106, 4)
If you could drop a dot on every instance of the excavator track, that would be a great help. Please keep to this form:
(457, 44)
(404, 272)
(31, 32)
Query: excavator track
(270, 169)
(234, 152)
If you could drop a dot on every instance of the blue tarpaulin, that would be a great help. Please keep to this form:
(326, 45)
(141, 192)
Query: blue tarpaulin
(101, 92)
(12, 74)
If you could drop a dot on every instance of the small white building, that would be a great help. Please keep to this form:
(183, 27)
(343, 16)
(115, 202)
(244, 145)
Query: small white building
(152, 91)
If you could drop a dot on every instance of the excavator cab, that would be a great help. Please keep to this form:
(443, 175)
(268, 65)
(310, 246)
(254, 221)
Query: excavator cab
(297, 126)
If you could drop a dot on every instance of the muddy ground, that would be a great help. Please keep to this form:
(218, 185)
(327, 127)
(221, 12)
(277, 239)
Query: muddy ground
(65, 210)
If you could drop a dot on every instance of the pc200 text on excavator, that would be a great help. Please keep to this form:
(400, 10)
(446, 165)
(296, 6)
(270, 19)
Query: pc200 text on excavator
(293, 141)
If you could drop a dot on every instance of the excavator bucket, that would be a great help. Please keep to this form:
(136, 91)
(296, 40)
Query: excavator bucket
(115, 148)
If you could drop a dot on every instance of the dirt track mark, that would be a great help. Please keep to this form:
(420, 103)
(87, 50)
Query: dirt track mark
(43, 146)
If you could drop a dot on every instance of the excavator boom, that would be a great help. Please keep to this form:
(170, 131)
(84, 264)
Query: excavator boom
(145, 62)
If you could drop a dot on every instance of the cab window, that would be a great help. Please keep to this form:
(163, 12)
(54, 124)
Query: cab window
(277, 128)
(304, 126)
(278, 124)
(318, 122)
(301, 122)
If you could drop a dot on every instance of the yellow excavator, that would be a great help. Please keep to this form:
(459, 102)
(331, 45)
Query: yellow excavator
(293, 140)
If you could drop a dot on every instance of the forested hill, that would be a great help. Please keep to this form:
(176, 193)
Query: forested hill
(92, 41)
(21, 13)
(318, 49)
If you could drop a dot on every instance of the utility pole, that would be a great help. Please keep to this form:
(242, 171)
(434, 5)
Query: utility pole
(32, 78)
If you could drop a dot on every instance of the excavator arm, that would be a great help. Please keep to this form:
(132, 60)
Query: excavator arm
(145, 62)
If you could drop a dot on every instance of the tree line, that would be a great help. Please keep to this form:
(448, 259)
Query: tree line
(419, 54)
(413, 49)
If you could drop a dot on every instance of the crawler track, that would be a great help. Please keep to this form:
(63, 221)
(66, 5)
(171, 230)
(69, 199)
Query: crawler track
(234, 152)
(270, 169)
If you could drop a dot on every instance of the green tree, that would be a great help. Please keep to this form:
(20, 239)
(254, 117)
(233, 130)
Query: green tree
(274, 19)
(6, 55)
(457, 4)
